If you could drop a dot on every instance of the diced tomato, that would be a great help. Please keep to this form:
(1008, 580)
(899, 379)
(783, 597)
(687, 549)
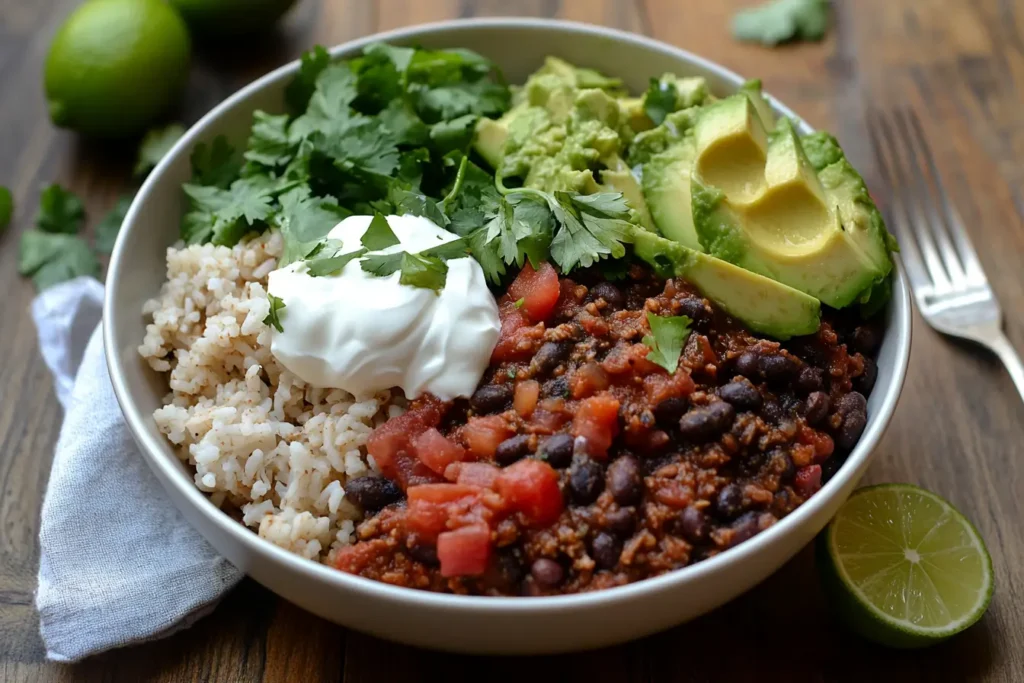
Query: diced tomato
(517, 339)
(531, 487)
(547, 422)
(539, 290)
(597, 421)
(808, 480)
(409, 471)
(660, 387)
(465, 551)
(589, 379)
(631, 360)
(672, 493)
(431, 506)
(527, 393)
(480, 474)
(483, 434)
(392, 438)
(435, 451)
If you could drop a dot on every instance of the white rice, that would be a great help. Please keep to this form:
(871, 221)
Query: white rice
(258, 438)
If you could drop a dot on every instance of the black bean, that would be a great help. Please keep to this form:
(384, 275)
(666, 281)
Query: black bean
(621, 522)
(668, 412)
(491, 398)
(426, 554)
(510, 565)
(782, 465)
(853, 402)
(741, 394)
(866, 382)
(708, 421)
(557, 450)
(606, 550)
(749, 462)
(694, 309)
(512, 449)
(547, 572)
(817, 407)
(611, 294)
(865, 339)
(586, 481)
(810, 379)
(747, 365)
(694, 525)
(549, 356)
(372, 493)
(851, 429)
(772, 412)
(729, 502)
(745, 528)
(624, 480)
(556, 388)
(777, 369)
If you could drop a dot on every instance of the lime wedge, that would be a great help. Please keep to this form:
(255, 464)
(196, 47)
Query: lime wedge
(903, 568)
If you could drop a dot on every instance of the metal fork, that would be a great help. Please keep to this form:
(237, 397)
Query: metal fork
(949, 285)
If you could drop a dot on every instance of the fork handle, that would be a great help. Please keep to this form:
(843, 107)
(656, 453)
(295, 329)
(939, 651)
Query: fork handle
(1004, 349)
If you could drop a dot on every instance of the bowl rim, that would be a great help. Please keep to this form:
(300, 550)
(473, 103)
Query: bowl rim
(169, 473)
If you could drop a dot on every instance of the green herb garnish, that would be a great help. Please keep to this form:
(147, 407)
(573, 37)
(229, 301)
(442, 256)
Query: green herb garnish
(59, 211)
(379, 234)
(428, 272)
(666, 340)
(155, 146)
(332, 265)
(660, 100)
(519, 303)
(274, 317)
(6, 207)
(780, 21)
(110, 225)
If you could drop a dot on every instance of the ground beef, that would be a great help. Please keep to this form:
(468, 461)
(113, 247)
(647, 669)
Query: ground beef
(741, 435)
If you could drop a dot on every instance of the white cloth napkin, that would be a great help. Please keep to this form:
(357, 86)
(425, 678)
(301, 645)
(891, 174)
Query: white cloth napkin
(118, 564)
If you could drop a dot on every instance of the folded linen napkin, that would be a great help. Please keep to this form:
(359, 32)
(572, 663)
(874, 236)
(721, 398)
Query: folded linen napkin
(118, 564)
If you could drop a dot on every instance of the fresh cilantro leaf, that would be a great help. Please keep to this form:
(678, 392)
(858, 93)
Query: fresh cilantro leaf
(274, 317)
(110, 225)
(269, 144)
(59, 211)
(52, 258)
(329, 109)
(660, 100)
(591, 227)
(6, 207)
(225, 216)
(299, 91)
(400, 57)
(427, 272)
(304, 221)
(779, 21)
(403, 125)
(382, 265)
(459, 99)
(448, 251)
(379, 234)
(666, 340)
(155, 145)
(332, 265)
(465, 220)
(361, 151)
(214, 163)
(406, 201)
(486, 255)
(381, 76)
(455, 133)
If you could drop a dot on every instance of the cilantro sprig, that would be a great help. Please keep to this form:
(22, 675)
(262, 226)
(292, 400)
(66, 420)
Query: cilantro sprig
(274, 316)
(667, 338)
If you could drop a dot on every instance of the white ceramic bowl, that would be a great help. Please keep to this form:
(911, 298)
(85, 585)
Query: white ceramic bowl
(459, 623)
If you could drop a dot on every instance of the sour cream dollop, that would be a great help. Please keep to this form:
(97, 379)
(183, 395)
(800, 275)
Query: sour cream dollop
(363, 333)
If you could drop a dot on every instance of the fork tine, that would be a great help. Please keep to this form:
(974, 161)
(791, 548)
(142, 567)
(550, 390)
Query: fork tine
(902, 160)
(898, 215)
(927, 196)
(949, 216)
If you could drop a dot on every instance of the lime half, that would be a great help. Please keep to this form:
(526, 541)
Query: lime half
(903, 568)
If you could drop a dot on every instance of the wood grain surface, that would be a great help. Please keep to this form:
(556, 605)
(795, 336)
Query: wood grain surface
(957, 430)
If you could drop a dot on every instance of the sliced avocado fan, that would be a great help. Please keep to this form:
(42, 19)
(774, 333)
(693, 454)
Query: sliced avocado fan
(759, 202)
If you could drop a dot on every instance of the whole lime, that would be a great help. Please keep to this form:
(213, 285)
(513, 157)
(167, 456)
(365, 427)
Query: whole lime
(115, 66)
(231, 17)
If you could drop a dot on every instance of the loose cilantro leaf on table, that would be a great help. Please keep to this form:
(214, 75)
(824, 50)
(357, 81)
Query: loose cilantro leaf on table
(274, 317)
(51, 258)
(780, 21)
(110, 225)
(660, 100)
(59, 211)
(379, 234)
(155, 145)
(666, 340)
(6, 207)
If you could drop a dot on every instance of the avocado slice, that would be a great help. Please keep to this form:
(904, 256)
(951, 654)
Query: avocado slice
(666, 188)
(489, 140)
(752, 89)
(758, 202)
(618, 178)
(763, 305)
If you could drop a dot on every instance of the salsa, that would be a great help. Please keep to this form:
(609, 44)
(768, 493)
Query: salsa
(578, 464)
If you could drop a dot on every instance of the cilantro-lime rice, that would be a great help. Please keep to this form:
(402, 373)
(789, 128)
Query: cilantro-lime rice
(456, 335)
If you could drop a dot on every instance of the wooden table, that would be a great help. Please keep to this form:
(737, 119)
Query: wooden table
(957, 430)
